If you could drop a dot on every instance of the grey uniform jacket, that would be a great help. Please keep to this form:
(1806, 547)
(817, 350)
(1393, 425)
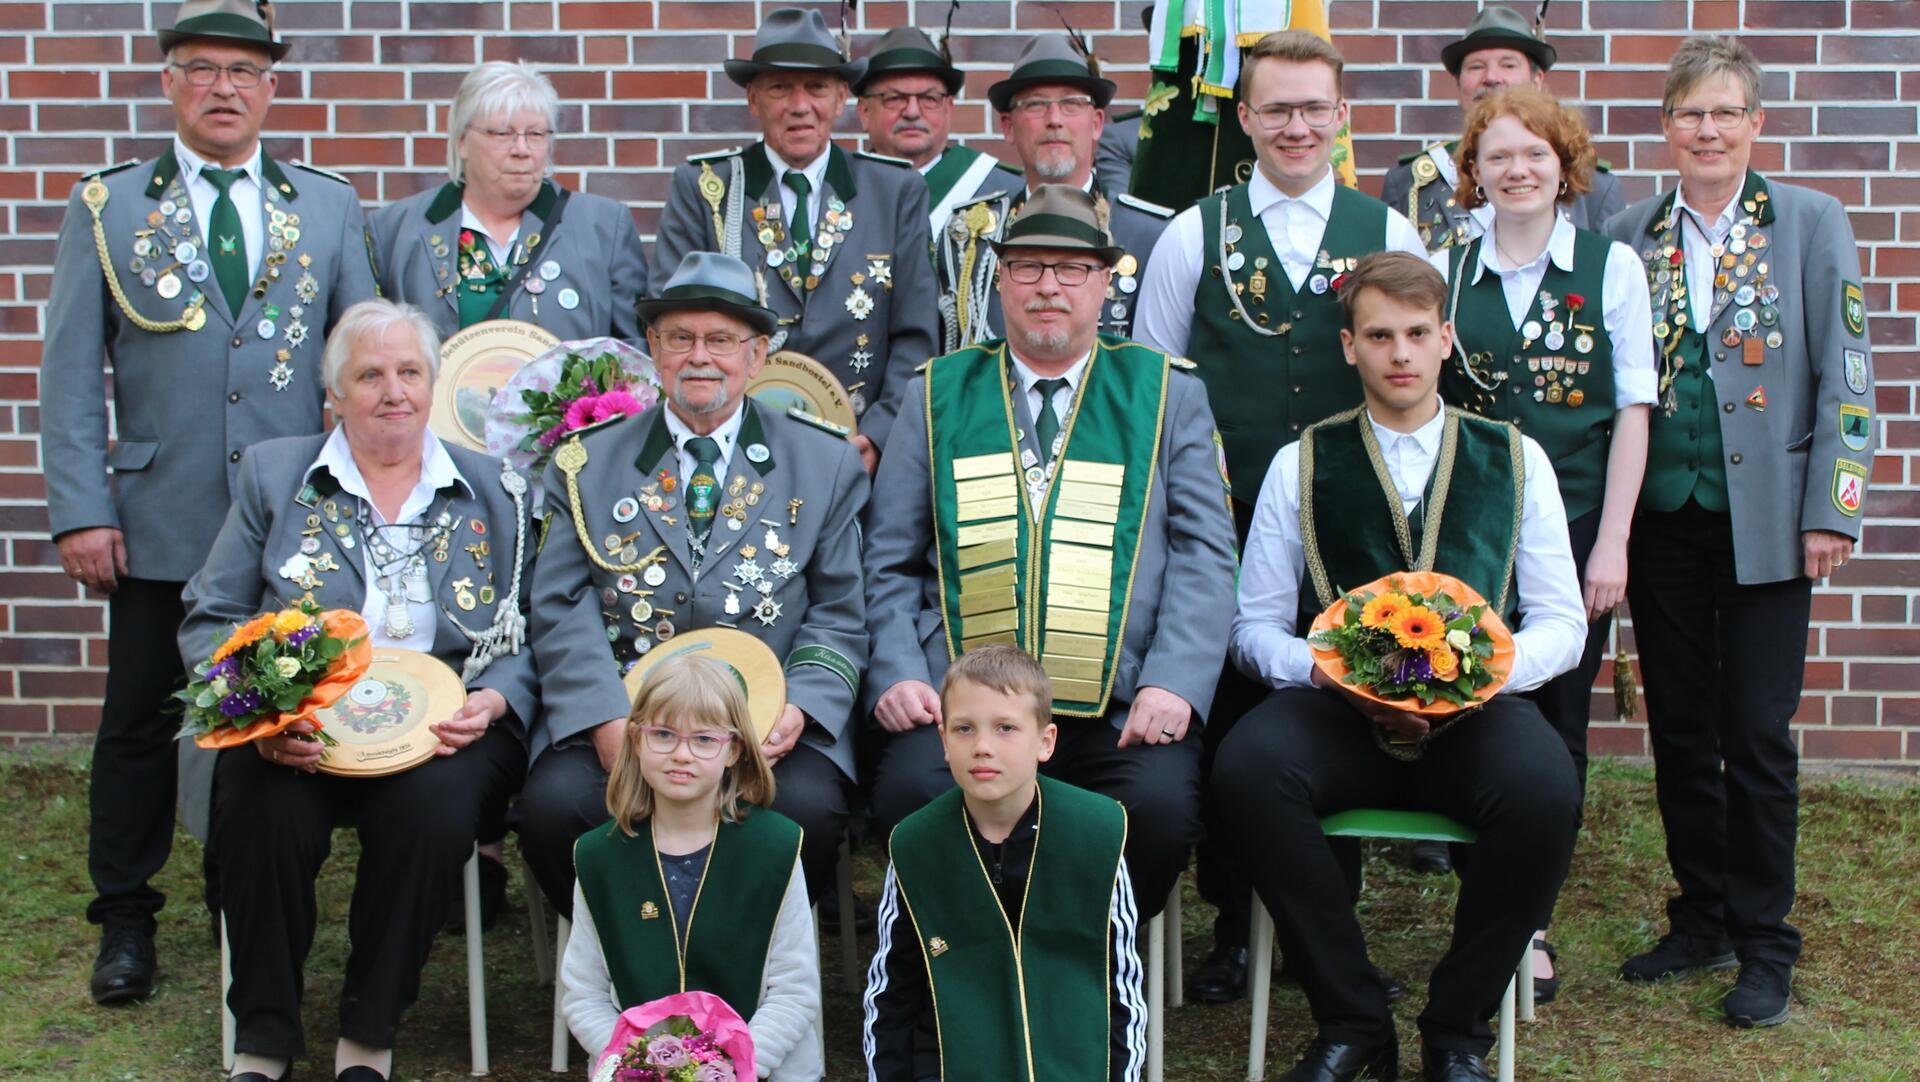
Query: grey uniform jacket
(595, 251)
(870, 318)
(1113, 154)
(187, 403)
(1183, 588)
(279, 489)
(967, 264)
(811, 489)
(1439, 218)
(1783, 462)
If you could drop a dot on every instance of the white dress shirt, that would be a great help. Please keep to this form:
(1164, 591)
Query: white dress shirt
(725, 436)
(1062, 405)
(502, 249)
(1698, 236)
(1164, 315)
(1553, 628)
(246, 195)
(437, 471)
(816, 174)
(1626, 306)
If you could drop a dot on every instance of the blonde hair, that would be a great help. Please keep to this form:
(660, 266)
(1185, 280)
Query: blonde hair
(703, 691)
(1564, 129)
(1293, 47)
(1704, 56)
(1005, 669)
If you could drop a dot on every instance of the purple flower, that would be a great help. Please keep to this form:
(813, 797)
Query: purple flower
(716, 1071)
(241, 703)
(1410, 666)
(666, 1051)
(302, 635)
(227, 667)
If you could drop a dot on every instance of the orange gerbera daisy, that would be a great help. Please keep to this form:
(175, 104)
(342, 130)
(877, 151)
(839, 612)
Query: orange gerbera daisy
(1381, 610)
(1419, 628)
(244, 636)
(1444, 663)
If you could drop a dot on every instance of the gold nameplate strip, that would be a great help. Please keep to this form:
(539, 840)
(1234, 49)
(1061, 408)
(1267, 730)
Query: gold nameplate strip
(983, 601)
(1066, 644)
(1081, 577)
(975, 510)
(986, 532)
(992, 623)
(1070, 668)
(1082, 509)
(1094, 473)
(986, 488)
(1091, 559)
(1078, 691)
(992, 552)
(1080, 620)
(1087, 492)
(1077, 597)
(1006, 637)
(1084, 533)
(994, 578)
(966, 469)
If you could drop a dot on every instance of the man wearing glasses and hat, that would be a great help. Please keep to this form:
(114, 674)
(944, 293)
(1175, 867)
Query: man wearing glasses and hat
(1499, 49)
(1073, 506)
(837, 241)
(1052, 108)
(709, 510)
(208, 281)
(906, 106)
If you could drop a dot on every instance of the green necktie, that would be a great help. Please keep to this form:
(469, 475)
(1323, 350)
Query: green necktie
(1046, 424)
(799, 229)
(226, 241)
(703, 488)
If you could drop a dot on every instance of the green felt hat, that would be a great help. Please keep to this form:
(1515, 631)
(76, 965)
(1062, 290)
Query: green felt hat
(1498, 28)
(1051, 60)
(248, 22)
(908, 48)
(1060, 216)
(711, 282)
(793, 39)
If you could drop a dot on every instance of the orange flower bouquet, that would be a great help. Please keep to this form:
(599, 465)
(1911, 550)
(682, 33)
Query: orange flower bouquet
(276, 669)
(1417, 641)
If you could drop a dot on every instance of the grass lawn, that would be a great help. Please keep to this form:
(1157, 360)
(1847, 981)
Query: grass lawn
(1857, 1015)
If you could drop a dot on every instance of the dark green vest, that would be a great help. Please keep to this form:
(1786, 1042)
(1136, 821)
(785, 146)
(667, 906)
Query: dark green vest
(1032, 1002)
(728, 930)
(477, 291)
(1684, 454)
(1469, 524)
(1560, 394)
(1266, 388)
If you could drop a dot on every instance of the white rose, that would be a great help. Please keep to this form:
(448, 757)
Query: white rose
(289, 666)
(1459, 639)
(220, 687)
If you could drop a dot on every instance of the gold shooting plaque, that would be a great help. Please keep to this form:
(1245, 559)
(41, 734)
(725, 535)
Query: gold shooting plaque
(985, 601)
(795, 381)
(1005, 637)
(474, 364)
(993, 578)
(1078, 691)
(1080, 620)
(992, 552)
(1070, 668)
(1002, 487)
(1081, 509)
(1084, 533)
(993, 623)
(380, 726)
(974, 511)
(1067, 644)
(983, 533)
(1076, 597)
(966, 469)
(1111, 474)
(1097, 579)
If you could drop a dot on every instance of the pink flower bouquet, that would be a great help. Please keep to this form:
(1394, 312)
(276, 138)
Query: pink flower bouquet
(690, 1037)
(569, 387)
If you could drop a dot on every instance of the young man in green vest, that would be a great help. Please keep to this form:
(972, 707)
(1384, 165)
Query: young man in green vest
(1404, 483)
(1007, 860)
(1242, 283)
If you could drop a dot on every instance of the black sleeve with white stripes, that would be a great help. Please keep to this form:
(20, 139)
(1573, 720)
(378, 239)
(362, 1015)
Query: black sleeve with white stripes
(901, 1041)
(1129, 1013)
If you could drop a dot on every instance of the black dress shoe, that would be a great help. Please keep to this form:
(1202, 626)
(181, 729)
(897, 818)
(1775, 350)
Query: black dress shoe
(493, 898)
(1677, 955)
(1393, 988)
(256, 1076)
(1442, 1065)
(1546, 988)
(1222, 978)
(123, 971)
(1761, 995)
(360, 1074)
(1429, 858)
(1325, 1061)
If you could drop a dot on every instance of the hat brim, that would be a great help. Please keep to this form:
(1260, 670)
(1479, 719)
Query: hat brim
(1106, 255)
(743, 72)
(1001, 93)
(1455, 53)
(275, 50)
(760, 319)
(928, 64)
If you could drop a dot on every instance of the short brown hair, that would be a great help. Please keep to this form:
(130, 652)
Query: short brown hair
(1542, 114)
(1704, 56)
(1005, 669)
(1403, 276)
(1294, 47)
(706, 692)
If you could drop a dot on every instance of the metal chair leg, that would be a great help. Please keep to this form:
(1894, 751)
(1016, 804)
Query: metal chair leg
(544, 963)
(476, 969)
(226, 986)
(1260, 988)
(1156, 999)
(1526, 983)
(562, 1039)
(1176, 942)
(1506, 1033)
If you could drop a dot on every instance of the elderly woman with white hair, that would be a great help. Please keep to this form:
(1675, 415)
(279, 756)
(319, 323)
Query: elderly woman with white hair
(425, 541)
(500, 239)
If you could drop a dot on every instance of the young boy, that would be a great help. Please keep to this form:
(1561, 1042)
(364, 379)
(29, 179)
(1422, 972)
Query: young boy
(991, 930)
(1404, 483)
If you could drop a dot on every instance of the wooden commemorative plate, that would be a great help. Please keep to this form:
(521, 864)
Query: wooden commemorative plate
(474, 364)
(380, 725)
(792, 380)
(756, 666)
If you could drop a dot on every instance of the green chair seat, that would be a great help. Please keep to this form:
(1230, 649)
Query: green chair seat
(1405, 825)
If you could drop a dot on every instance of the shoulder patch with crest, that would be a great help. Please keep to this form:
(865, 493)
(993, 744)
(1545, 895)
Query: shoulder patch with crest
(1849, 486)
(715, 155)
(1856, 427)
(111, 169)
(812, 420)
(1855, 363)
(1853, 308)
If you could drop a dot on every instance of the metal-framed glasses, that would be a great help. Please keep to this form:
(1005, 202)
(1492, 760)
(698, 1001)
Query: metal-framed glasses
(705, 744)
(536, 138)
(1073, 108)
(1725, 116)
(719, 343)
(205, 73)
(1028, 271)
(893, 100)
(1278, 114)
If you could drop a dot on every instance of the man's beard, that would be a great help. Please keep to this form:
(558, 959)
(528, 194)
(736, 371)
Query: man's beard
(720, 400)
(1047, 341)
(1049, 166)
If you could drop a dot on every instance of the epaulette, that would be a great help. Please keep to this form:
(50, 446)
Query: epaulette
(815, 421)
(886, 158)
(128, 164)
(1428, 149)
(716, 155)
(1181, 363)
(1138, 203)
(1130, 114)
(328, 173)
(1408, 158)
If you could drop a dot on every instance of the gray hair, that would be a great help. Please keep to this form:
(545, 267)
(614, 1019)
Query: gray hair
(376, 317)
(496, 88)
(1704, 56)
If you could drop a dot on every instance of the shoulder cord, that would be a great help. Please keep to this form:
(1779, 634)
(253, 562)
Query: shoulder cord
(94, 195)
(1226, 279)
(508, 632)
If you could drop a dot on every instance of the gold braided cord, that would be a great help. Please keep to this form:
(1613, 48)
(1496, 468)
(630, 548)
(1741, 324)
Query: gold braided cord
(94, 195)
(1437, 501)
(1309, 534)
(713, 191)
(1514, 449)
(571, 458)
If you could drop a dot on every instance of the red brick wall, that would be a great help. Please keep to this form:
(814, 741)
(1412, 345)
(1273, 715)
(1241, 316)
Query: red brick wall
(365, 88)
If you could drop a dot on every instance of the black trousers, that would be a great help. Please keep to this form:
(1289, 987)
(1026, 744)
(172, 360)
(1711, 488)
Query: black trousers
(135, 762)
(1723, 664)
(1566, 701)
(1215, 875)
(273, 827)
(1305, 754)
(1159, 784)
(566, 796)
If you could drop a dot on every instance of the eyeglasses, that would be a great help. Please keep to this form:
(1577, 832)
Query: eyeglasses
(1726, 116)
(1028, 271)
(203, 73)
(719, 343)
(1034, 108)
(1278, 114)
(893, 101)
(537, 138)
(705, 744)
